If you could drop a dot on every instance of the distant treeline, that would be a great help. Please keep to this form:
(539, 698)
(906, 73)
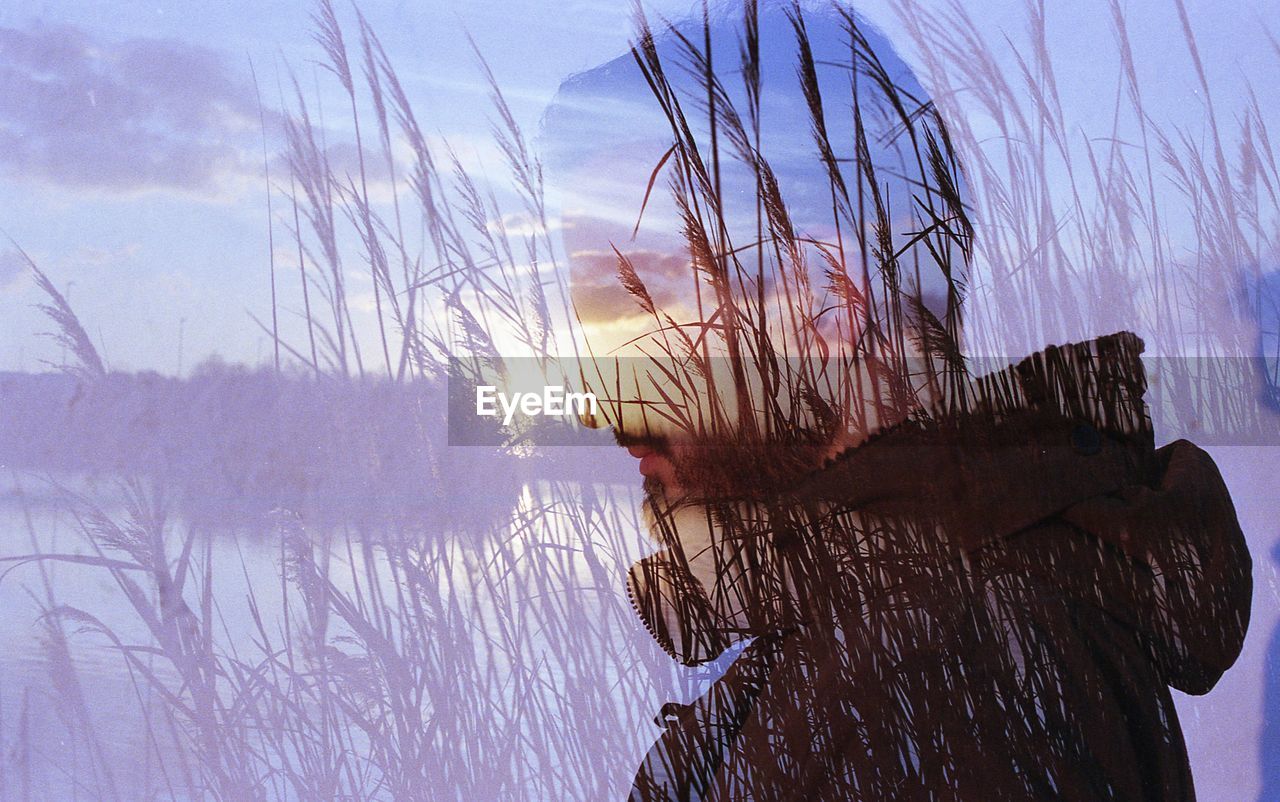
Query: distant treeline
(234, 444)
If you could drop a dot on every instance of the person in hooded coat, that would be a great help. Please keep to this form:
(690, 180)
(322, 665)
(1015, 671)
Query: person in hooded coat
(952, 587)
(990, 606)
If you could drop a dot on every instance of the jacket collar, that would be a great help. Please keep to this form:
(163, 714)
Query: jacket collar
(1026, 443)
(1021, 445)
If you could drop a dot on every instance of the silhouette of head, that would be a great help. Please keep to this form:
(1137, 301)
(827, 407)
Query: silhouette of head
(766, 241)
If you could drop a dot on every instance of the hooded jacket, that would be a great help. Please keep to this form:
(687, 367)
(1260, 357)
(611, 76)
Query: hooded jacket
(996, 602)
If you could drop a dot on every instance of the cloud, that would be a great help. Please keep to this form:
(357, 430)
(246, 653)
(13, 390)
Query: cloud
(78, 111)
(600, 297)
(13, 269)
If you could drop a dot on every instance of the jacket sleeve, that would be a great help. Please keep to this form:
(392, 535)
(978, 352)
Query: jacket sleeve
(1190, 567)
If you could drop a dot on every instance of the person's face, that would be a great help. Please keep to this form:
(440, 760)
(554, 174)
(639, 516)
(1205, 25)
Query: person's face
(722, 326)
(703, 419)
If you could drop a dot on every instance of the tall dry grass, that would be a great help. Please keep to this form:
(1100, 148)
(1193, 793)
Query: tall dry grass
(398, 662)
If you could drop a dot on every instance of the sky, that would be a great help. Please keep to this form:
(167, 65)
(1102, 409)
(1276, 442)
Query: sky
(132, 168)
(131, 149)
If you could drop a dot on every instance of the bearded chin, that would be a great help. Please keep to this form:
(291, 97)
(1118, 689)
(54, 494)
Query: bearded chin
(654, 492)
